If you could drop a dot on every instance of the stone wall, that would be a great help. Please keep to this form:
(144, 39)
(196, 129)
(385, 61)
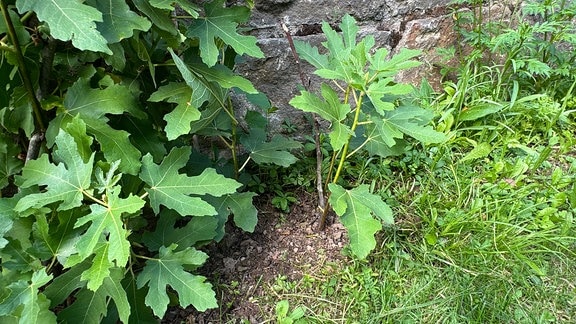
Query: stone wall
(395, 24)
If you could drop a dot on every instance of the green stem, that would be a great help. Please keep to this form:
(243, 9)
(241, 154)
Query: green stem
(23, 19)
(36, 107)
(343, 157)
(345, 149)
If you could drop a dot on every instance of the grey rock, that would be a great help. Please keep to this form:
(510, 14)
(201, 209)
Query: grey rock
(395, 24)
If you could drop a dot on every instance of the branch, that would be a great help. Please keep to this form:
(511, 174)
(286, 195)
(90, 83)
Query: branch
(316, 129)
(22, 68)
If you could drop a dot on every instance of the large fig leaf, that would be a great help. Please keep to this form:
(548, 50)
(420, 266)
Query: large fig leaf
(355, 208)
(65, 182)
(168, 270)
(172, 189)
(98, 301)
(220, 22)
(69, 20)
(118, 21)
(106, 226)
(196, 230)
(27, 293)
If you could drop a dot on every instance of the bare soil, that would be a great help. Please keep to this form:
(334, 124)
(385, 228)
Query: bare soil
(243, 265)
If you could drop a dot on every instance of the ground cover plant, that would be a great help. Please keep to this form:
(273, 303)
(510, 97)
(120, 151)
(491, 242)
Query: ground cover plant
(123, 157)
(106, 195)
(484, 220)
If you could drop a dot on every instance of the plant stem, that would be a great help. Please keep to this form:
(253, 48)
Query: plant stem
(315, 128)
(36, 107)
(343, 156)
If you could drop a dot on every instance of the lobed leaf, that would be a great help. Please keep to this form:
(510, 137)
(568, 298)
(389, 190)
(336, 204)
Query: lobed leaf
(26, 293)
(69, 20)
(354, 207)
(189, 7)
(275, 151)
(196, 230)
(220, 22)
(106, 222)
(160, 18)
(118, 21)
(240, 205)
(97, 301)
(173, 190)
(65, 182)
(168, 270)
(311, 55)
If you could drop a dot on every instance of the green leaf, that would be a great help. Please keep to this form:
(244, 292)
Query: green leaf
(385, 67)
(65, 182)
(275, 151)
(9, 162)
(160, 18)
(220, 22)
(178, 120)
(106, 222)
(145, 137)
(481, 150)
(330, 108)
(118, 21)
(311, 55)
(100, 268)
(198, 229)
(21, 33)
(91, 306)
(7, 216)
(26, 293)
(167, 270)
(479, 110)
(189, 7)
(77, 128)
(409, 120)
(240, 205)
(114, 99)
(173, 190)
(339, 135)
(377, 90)
(354, 208)
(349, 30)
(65, 284)
(59, 240)
(200, 91)
(140, 313)
(115, 145)
(92, 105)
(223, 76)
(69, 20)
(19, 114)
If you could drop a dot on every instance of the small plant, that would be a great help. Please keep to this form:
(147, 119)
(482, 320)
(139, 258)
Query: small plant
(103, 201)
(365, 110)
(285, 316)
(282, 200)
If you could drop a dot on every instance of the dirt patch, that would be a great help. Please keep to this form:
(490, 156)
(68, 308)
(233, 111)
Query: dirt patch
(243, 265)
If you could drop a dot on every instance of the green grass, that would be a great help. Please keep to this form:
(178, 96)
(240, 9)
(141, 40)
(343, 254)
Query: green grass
(484, 227)
(486, 241)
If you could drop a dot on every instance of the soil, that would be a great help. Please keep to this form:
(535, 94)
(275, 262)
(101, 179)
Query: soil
(243, 265)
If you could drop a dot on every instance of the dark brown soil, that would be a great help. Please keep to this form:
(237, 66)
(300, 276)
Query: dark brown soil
(243, 266)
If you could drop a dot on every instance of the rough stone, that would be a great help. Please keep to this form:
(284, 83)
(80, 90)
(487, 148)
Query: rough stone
(395, 24)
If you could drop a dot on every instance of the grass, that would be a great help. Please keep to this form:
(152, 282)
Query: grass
(485, 229)
(488, 240)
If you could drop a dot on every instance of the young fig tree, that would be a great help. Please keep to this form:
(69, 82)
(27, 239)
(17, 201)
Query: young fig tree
(360, 100)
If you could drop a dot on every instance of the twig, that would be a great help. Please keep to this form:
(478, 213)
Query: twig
(22, 68)
(316, 129)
